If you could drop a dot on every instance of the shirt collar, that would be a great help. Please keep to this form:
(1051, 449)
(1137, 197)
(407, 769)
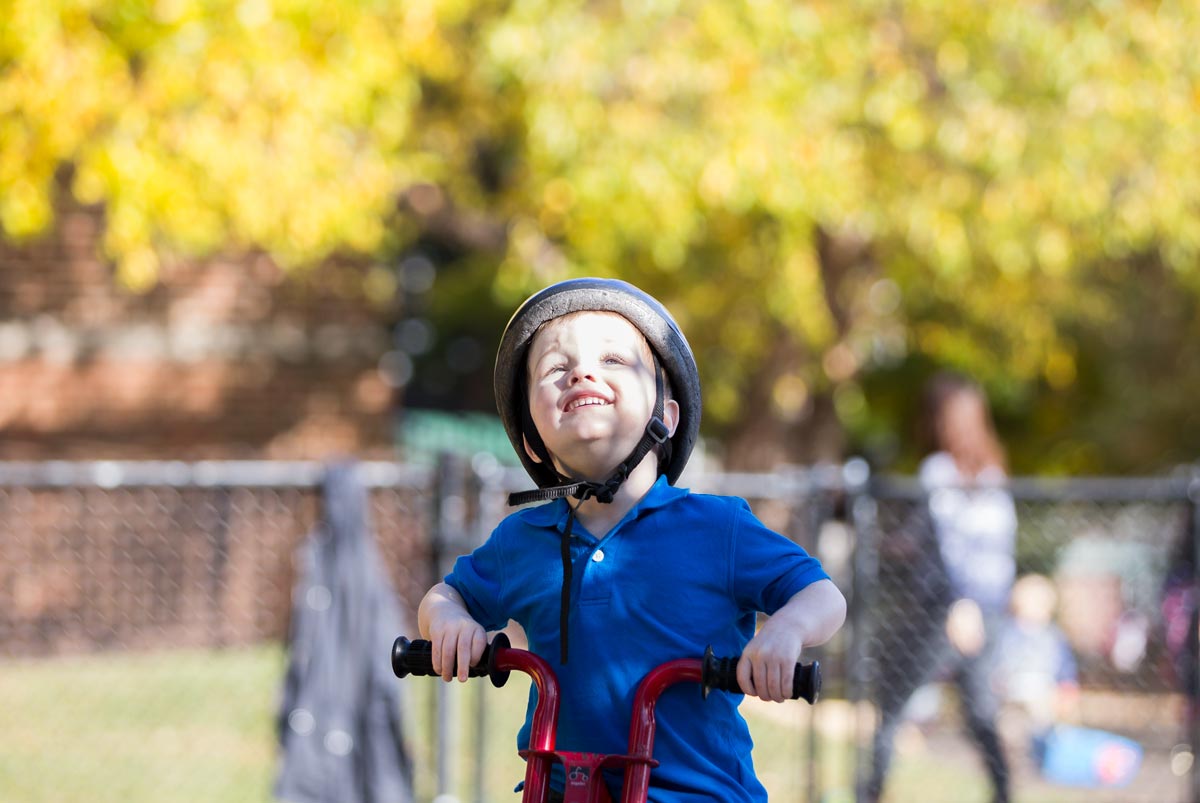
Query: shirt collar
(554, 513)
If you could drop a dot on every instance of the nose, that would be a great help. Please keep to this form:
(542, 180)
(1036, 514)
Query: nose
(580, 373)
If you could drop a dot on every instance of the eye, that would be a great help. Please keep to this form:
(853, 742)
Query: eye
(614, 359)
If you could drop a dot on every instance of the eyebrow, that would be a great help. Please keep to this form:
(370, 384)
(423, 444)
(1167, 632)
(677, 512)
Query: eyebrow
(639, 343)
(534, 358)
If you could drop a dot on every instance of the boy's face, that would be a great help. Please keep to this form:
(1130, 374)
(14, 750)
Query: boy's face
(591, 391)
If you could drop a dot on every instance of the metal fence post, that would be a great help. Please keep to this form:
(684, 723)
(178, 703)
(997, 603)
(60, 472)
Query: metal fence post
(218, 566)
(816, 518)
(449, 520)
(1193, 496)
(472, 530)
(861, 510)
(818, 491)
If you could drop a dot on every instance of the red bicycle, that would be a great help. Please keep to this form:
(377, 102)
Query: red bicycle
(582, 770)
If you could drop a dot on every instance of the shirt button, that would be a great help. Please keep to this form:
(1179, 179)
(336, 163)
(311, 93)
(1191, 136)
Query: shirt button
(598, 555)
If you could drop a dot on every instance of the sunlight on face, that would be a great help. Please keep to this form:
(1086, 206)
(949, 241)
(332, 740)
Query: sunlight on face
(591, 390)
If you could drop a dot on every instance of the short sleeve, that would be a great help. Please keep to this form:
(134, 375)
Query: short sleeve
(937, 470)
(767, 568)
(479, 578)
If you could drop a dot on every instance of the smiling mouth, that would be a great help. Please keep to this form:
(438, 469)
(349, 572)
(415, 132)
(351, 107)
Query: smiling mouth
(585, 401)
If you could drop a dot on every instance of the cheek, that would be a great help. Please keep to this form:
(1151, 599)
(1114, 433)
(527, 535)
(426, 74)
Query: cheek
(641, 393)
(543, 400)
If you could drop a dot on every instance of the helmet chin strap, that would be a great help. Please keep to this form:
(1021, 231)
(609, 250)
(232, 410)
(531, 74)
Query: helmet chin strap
(656, 433)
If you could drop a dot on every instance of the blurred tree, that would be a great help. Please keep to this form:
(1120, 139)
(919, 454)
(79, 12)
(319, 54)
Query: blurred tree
(834, 197)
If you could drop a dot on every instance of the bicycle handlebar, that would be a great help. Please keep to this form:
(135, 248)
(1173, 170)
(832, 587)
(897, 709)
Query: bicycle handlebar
(721, 674)
(416, 658)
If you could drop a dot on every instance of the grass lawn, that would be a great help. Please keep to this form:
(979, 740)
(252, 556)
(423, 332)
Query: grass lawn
(163, 727)
(198, 726)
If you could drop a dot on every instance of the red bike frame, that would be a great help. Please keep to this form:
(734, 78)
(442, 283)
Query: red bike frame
(584, 780)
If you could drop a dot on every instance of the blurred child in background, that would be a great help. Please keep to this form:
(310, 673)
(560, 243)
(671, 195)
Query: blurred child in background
(974, 525)
(1038, 671)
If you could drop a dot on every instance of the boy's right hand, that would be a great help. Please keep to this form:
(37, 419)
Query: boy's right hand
(457, 642)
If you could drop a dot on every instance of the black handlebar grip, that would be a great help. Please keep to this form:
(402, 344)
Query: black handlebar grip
(806, 683)
(721, 674)
(416, 658)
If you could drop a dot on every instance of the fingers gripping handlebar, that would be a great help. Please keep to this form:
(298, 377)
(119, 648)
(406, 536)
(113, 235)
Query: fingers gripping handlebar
(416, 658)
(721, 673)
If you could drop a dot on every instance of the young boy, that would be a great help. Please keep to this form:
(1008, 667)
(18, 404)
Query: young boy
(620, 571)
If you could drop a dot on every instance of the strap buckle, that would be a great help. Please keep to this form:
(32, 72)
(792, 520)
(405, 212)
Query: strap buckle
(657, 430)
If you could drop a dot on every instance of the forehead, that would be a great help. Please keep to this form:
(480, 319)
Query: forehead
(964, 403)
(598, 327)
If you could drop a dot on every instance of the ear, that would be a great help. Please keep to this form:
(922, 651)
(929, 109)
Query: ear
(671, 415)
(529, 450)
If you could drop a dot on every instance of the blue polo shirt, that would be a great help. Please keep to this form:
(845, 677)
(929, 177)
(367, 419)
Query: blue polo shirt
(681, 571)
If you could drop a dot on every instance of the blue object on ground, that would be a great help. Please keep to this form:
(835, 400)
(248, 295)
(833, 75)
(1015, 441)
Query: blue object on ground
(1089, 757)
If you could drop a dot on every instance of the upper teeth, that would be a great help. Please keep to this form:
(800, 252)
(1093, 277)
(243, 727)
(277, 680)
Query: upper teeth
(586, 400)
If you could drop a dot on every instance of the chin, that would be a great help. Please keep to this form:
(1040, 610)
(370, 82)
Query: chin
(594, 466)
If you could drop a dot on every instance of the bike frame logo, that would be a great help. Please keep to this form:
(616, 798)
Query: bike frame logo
(578, 776)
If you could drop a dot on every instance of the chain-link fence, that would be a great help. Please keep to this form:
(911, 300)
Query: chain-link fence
(144, 606)
(142, 611)
(102, 556)
(1089, 672)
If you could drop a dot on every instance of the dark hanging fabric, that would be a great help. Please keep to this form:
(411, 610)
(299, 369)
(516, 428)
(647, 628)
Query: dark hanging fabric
(340, 729)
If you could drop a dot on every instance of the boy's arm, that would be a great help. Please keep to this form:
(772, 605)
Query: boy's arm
(809, 618)
(457, 640)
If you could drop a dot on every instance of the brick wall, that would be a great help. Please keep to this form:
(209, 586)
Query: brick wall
(226, 357)
(89, 568)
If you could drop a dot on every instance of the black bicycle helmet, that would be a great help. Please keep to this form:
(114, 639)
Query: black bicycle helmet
(672, 354)
(670, 348)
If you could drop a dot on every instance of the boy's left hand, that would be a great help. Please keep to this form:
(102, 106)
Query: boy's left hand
(767, 667)
(768, 664)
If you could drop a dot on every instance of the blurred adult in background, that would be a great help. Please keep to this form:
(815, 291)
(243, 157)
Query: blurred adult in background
(970, 527)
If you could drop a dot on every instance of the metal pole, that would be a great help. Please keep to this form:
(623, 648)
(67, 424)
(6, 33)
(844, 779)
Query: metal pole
(480, 743)
(861, 511)
(819, 513)
(449, 519)
(1193, 715)
(218, 568)
(472, 525)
